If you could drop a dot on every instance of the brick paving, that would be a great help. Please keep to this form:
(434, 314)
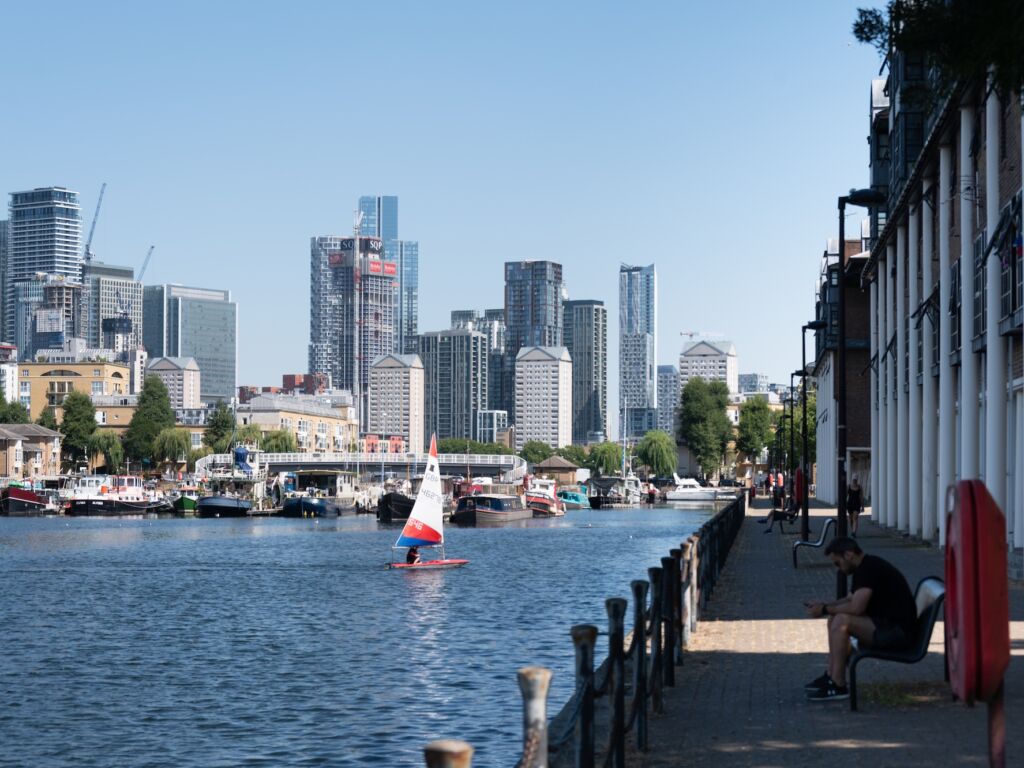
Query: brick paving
(739, 695)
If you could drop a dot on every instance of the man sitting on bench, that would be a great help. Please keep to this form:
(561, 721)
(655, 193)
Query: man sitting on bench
(879, 611)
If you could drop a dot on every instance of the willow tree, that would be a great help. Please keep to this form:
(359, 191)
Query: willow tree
(106, 443)
(657, 450)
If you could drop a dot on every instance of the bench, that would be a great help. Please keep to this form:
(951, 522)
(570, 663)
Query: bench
(829, 523)
(928, 597)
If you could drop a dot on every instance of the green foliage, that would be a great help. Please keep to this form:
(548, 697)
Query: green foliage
(78, 425)
(153, 415)
(535, 451)
(605, 458)
(657, 450)
(280, 441)
(461, 445)
(196, 454)
(577, 454)
(755, 426)
(172, 445)
(782, 426)
(703, 424)
(106, 443)
(47, 418)
(14, 413)
(219, 429)
(250, 433)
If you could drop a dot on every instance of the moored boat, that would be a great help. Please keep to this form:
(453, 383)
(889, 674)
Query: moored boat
(16, 501)
(485, 509)
(115, 496)
(304, 505)
(186, 500)
(688, 489)
(222, 505)
(574, 499)
(394, 507)
(542, 498)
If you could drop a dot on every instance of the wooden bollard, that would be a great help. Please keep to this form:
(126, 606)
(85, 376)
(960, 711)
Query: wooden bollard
(687, 597)
(448, 753)
(584, 637)
(616, 608)
(657, 655)
(639, 588)
(534, 683)
(668, 596)
(695, 582)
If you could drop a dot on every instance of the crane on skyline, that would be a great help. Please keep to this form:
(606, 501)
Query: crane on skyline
(92, 229)
(145, 263)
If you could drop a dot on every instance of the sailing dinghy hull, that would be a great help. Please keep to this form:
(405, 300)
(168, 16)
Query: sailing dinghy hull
(429, 565)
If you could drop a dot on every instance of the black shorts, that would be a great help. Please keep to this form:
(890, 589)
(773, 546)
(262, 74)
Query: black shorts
(889, 635)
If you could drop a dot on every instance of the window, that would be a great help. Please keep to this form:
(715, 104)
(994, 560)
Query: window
(97, 388)
(101, 417)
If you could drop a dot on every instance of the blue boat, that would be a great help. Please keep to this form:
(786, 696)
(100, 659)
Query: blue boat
(223, 506)
(574, 499)
(301, 505)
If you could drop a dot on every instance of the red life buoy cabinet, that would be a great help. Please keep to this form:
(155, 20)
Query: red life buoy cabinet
(977, 599)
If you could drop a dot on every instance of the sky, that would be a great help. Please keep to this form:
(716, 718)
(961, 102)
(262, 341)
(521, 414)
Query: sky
(711, 139)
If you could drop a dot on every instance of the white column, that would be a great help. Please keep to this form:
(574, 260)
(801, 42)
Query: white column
(995, 347)
(902, 397)
(883, 395)
(929, 499)
(873, 400)
(891, 501)
(914, 404)
(968, 361)
(946, 436)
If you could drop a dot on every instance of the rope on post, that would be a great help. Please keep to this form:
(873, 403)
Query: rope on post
(534, 683)
(448, 753)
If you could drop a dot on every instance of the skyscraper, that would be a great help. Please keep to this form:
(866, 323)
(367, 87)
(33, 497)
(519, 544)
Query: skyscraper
(4, 239)
(638, 321)
(491, 323)
(533, 316)
(668, 398)
(380, 219)
(112, 294)
(454, 381)
(44, 235)
(351, 293)
(194, 322)
(586, 337)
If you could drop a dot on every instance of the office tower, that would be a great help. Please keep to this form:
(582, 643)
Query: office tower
(491, 425)
(712, 361)
(533, 316)
(47, 312)
(585, 334)
(638, 343)
(668, 398)
(543, 396)
(491, 323)
(350, 292)
(380, 219)
(44, 235)
(113, 306)
(753, 382)
(4, 229)
(180, 321)
(454, 381)
(396, 399)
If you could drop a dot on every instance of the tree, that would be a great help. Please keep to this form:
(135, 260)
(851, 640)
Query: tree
(605, 458)
(782, 426)
(754, 428)
(577, 454)
(47, 418)
(657, 450)
(172, 445)
(106, 443)
(78, 425)
(703, 423)
(196, 454)
(153, 415)
(250, 433)
(14, 413)
(280, 441)
(219, 429)
(534, 451)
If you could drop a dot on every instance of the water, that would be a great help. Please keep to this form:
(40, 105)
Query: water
(273, 642)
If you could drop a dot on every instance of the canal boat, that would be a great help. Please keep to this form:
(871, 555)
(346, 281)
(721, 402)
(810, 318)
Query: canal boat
(425, 527)
(236, 487)
(304, 504)
(17, 501)
(490, 509)
(688, 489)
(394, 507)
(573, 499)
(115, 496)
(542, 498)
(616, 490)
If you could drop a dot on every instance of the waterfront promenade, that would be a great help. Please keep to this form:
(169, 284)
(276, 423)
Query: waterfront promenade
(739, 698)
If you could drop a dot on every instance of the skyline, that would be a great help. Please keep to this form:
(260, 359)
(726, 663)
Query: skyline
(508, 132)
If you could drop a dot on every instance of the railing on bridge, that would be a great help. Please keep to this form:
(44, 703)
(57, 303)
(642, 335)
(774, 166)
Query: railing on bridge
(678, 590)
(513, 468)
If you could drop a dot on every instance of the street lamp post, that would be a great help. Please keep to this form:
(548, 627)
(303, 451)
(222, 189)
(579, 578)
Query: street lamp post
(791, 459)
(868, 198)
(814, 325)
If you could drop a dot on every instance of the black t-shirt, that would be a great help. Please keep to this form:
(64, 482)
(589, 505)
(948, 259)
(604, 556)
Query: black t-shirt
(891, 597)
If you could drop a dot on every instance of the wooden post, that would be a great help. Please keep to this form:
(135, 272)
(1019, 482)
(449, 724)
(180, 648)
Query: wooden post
(584, 637)
(640, 662)
(657, 657)
(616, 608)
(533, 683)
(687, 596)
(677, 603)
(448, 753)
(668, 596)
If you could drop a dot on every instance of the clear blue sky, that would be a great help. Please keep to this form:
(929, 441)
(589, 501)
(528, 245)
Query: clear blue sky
(711, 139)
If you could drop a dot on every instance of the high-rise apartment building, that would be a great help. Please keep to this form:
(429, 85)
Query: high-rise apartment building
(182, 378)
(543, 396)
(180, 321)
(533, 316)
(44, 235)
(113, 301)
(585, 334)
(668, 398)
(396, 398)
(380, 219)
(638, 344)
(4, 239)
(491, 323)
(711, 361)
(352, 312)
(455, 381)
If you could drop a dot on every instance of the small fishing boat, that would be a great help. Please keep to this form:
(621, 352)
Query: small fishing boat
(573, 499)
(425, 527)
(542, 498)
(186, 501)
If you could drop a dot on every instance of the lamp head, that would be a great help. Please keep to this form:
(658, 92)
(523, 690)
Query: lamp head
(867, 198)
(815, 325)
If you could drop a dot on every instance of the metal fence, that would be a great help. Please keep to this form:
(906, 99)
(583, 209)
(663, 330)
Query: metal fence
(666, 608)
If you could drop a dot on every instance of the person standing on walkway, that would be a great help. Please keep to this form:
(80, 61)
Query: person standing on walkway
(854, 503)
(879, 611)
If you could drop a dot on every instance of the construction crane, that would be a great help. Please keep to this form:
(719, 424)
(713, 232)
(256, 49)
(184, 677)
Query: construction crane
(145, 263)
(96, 214)
(700, 334)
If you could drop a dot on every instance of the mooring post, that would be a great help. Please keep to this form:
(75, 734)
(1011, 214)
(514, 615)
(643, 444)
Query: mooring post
(687, 589)
(639, 588)
(677, 603)
(695, 583)
(584, 636)
(448, 753)
(534, 682)
(668, 659)
(616, 608)
(657, 657)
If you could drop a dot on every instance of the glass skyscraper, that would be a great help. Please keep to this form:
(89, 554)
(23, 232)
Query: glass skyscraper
(638, 321)
(533, 316)
(380, 219)
(586, 337)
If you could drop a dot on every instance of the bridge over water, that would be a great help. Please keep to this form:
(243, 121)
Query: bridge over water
(505, 468)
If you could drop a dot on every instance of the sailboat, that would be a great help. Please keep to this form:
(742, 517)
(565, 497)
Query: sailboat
(425, 526)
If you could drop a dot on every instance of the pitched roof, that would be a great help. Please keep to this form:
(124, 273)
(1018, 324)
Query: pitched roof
(555, 462)
(21, 431)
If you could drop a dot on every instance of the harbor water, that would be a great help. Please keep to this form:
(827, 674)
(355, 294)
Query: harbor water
(270, 642)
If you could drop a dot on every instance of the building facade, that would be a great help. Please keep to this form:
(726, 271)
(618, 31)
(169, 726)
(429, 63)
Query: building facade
(711, 361)
(753, 382)
(319, 423)
(182, 378)
(28, 451)
(491, 425)
(585, 335)
(397, 397)
(114, 306)
(533, 317)
(668, 398)
(543, 396)
(638, 344)
(353, 300)
(202, 323)
(47, 384)
(44, 235)
(380, 219)
(491, 323)
(455, 382)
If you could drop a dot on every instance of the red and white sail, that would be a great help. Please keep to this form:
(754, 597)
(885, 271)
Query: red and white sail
(425, 526)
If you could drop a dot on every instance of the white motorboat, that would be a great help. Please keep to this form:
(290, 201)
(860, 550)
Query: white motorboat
(688, 489)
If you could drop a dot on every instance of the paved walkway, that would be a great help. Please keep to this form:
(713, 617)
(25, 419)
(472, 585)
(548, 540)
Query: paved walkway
(739, 695)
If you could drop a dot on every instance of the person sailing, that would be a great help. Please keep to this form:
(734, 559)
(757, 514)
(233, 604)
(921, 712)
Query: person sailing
(412, 557)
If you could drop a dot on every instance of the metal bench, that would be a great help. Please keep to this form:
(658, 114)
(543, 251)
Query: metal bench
(928, 596)
(829, 523)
